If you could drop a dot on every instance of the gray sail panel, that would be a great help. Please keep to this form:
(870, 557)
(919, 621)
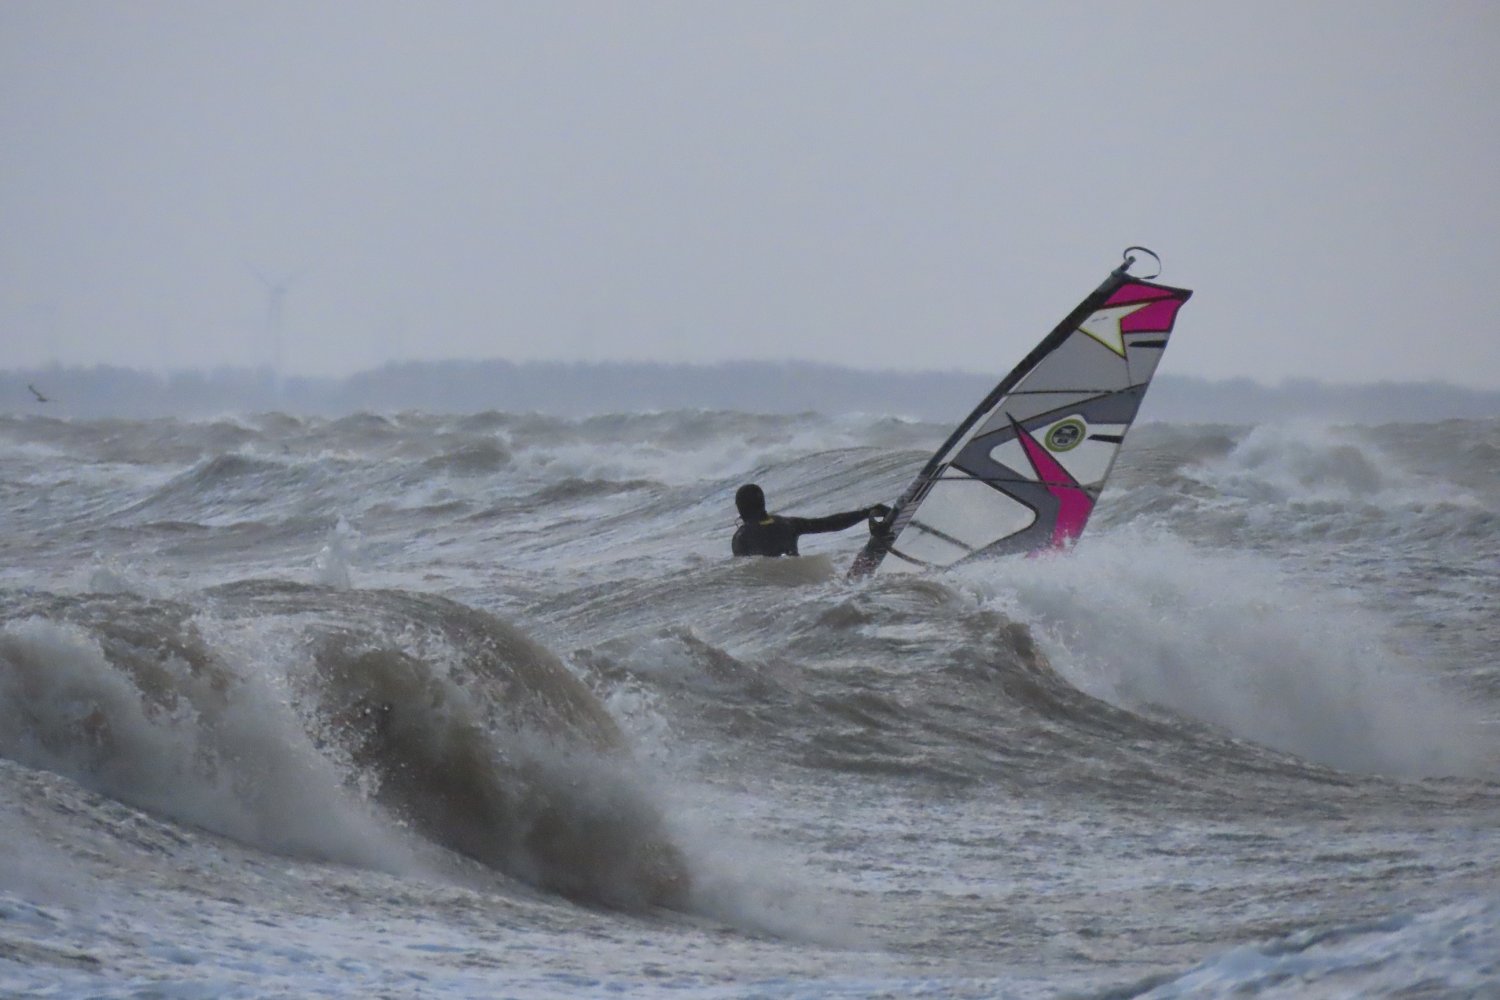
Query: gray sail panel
(1026, 405)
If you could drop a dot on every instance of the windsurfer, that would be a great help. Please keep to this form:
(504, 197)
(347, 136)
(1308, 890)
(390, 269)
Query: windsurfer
(763, 534)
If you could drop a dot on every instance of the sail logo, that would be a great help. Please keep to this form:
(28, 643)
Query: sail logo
(1104, 325)
(1065, 435)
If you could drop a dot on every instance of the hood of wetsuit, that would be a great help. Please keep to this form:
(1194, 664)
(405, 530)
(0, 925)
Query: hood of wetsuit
(751, 502)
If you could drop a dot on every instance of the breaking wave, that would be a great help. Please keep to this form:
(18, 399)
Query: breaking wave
(331, 724)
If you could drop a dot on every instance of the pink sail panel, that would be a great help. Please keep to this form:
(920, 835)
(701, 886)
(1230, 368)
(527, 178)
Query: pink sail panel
(1156, 316)
(1073, 504)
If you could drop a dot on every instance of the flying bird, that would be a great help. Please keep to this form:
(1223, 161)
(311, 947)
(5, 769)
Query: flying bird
(36, 392)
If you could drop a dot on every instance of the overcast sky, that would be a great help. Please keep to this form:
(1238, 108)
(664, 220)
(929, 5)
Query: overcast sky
(886, 185)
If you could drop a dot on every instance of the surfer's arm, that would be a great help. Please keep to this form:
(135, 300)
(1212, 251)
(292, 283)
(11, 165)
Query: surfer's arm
(834, 522)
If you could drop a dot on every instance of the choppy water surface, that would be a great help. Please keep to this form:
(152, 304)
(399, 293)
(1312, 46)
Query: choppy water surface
(479, 706)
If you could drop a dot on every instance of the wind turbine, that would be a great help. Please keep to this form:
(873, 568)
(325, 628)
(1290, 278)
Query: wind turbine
(276, 292)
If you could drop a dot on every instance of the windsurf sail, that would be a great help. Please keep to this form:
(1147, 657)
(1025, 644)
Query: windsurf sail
(1022, 473)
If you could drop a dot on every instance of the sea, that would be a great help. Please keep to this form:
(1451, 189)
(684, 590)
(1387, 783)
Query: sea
(419, 705)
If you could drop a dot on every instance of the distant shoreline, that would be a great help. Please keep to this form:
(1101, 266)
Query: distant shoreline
(583, 389)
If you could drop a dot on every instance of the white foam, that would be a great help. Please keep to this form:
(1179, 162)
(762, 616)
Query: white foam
(37, 870)
(340, 547)
(1309, 462)
(1230, 639)
(754, 884)
(1446, 952)
(236, 761)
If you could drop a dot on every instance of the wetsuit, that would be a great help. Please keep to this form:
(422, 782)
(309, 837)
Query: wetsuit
(774, 535)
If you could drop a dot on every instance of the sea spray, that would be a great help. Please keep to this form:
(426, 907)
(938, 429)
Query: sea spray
(1145, 620)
